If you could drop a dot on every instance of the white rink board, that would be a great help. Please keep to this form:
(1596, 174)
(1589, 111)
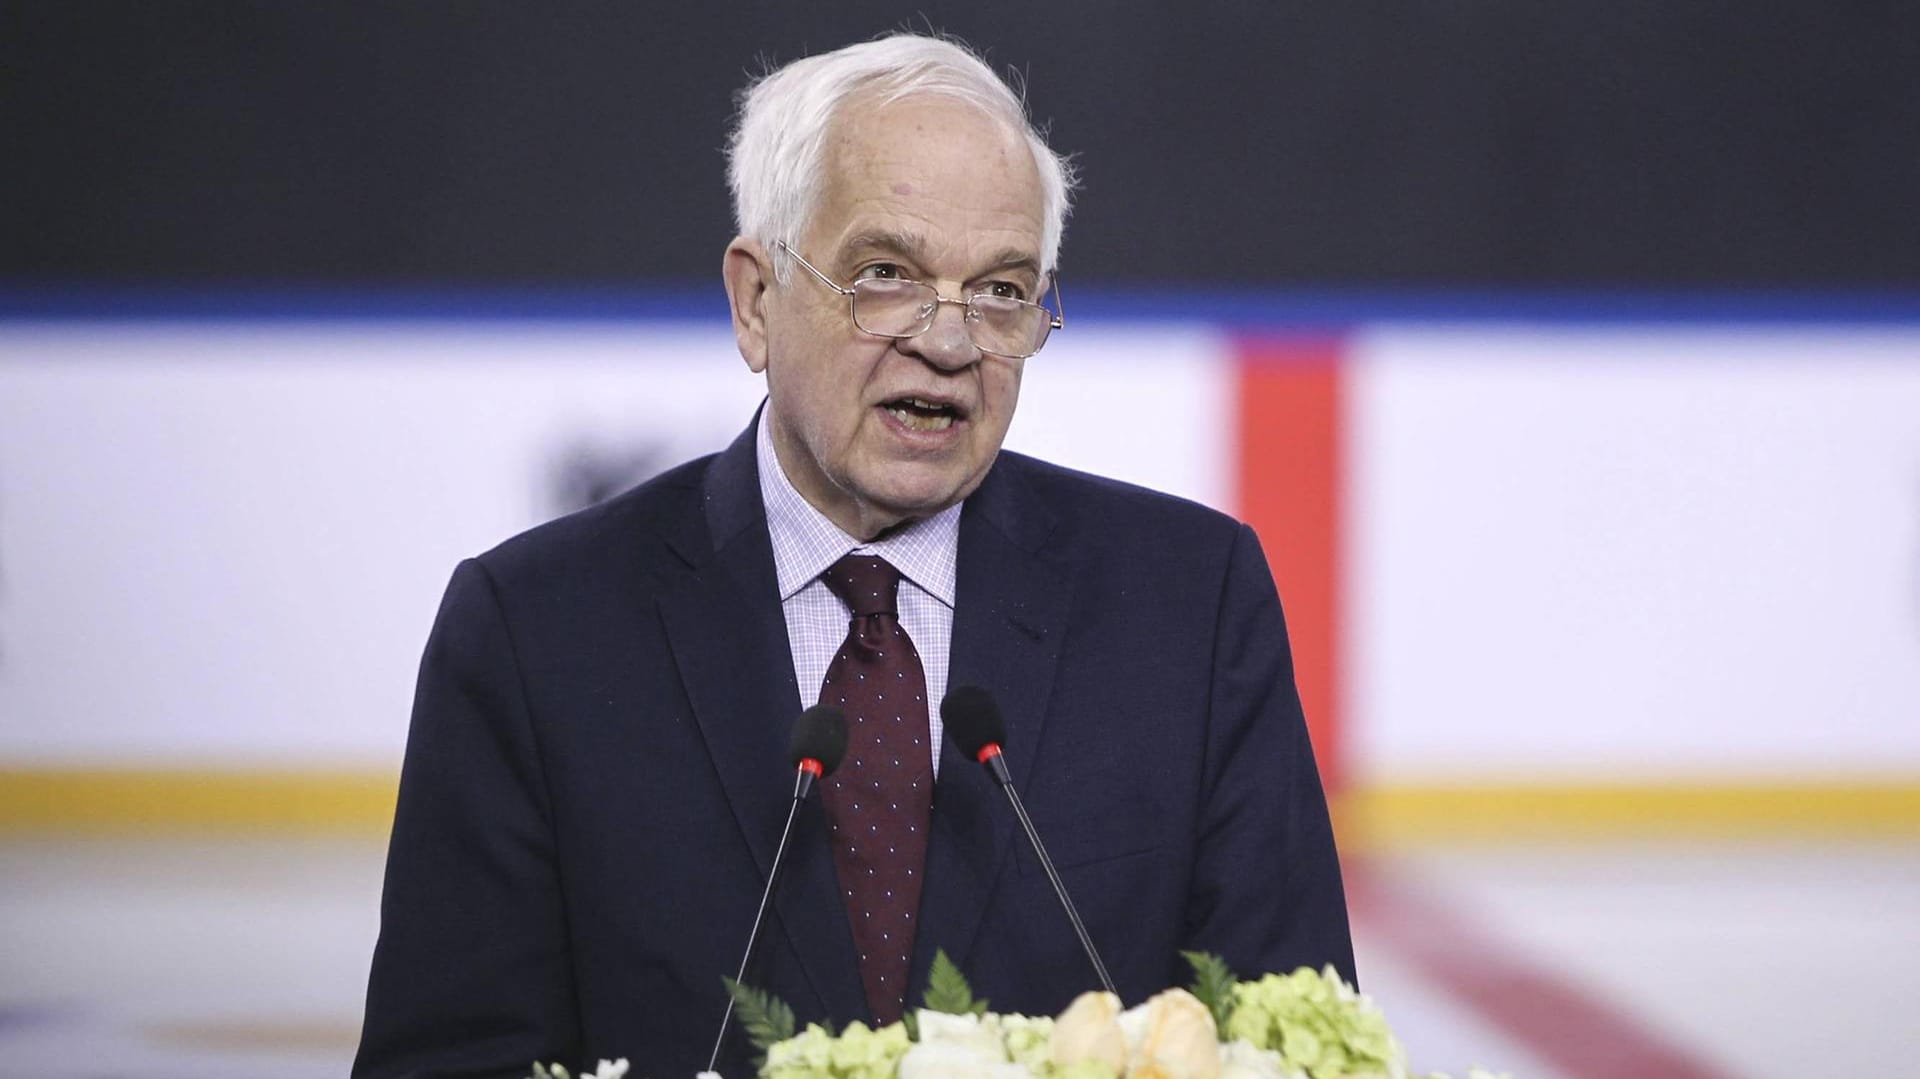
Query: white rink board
(1571, 553)
(223, 543)
(1637, 553)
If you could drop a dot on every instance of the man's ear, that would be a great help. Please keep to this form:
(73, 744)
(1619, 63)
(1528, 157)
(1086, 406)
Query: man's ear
(748, 273)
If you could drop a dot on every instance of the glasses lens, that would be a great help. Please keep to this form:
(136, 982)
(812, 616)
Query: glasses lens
(889, 308)
(1008, 327)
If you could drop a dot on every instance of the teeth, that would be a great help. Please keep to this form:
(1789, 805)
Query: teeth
(916, 421)
(920, 414)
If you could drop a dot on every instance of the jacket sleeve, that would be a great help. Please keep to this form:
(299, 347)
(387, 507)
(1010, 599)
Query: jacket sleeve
(1266, 893)
(471, 976)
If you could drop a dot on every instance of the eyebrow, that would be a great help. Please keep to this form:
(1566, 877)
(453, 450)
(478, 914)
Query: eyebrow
(890, 241)
(1012, 258)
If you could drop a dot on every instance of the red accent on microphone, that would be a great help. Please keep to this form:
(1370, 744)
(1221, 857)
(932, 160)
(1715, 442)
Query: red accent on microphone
(987, 752)
(808, 764)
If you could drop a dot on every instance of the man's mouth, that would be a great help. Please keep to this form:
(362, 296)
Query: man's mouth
(920, 414)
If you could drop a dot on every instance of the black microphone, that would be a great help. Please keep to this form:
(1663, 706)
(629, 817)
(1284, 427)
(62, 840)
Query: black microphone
(819, 742)
(973, 720)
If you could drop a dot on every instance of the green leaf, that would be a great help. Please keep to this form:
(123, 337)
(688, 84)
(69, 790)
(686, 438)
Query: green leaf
(1213, 984)
(948, 991)
(766, 1018)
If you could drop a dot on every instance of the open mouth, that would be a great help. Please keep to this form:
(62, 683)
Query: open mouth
(920, 414)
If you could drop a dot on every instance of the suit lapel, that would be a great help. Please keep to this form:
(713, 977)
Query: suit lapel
(1010, 615)
(729, 641)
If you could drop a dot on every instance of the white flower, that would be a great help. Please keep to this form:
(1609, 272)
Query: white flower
(939, 1028)
(1089, 1031)
(1171, 1036)
(1243, 1060)
(950, 1061)
(959, 1047)
(608, 1069)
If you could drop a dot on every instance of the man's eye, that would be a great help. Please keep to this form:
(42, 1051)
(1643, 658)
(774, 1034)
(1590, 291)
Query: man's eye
(880, 271)
(1005, 290)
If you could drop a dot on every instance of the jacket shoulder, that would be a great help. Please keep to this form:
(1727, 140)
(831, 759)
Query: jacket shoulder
(635, 528)
(1083, 501)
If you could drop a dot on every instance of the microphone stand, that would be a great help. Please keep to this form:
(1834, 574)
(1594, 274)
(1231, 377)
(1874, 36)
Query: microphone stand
(997, 766)
(802, 783)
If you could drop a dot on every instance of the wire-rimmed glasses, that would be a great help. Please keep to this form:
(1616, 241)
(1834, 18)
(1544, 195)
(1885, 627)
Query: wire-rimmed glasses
(899, 307)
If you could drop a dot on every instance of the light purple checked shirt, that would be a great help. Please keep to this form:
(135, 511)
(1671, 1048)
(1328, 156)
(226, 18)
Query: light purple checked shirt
(806, 543)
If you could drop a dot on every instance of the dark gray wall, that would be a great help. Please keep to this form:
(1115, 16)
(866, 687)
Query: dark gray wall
(1497, 143)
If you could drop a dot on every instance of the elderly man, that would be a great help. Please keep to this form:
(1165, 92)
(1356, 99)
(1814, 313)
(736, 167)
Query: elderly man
(595, 779)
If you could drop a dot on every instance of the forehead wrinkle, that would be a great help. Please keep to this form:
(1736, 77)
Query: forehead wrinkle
(892, 241)
(869, 163)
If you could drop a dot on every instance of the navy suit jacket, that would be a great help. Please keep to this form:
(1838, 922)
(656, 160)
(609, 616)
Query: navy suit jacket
(596, 778)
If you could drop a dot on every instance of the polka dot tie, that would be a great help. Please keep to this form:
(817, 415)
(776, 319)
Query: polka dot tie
(878, 801)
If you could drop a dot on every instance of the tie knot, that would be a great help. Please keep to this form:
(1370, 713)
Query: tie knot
(864, 583)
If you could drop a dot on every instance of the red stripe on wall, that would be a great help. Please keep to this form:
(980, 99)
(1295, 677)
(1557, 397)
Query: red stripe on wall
(1289, 489)
(1582, 1034)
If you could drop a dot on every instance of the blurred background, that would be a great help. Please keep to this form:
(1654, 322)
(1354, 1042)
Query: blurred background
(1566, 358)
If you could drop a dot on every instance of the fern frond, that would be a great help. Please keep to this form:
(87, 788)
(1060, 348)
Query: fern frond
(765, 1018)
(1213, 984)
(948, 991)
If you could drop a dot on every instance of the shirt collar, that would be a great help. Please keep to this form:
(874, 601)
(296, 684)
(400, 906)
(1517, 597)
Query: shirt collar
(805, 542)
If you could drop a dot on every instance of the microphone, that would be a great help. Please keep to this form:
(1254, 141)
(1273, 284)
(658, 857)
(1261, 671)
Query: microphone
(973, 719)
(819, 742)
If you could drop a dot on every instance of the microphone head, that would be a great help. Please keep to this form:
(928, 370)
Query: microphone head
(973, 720)
(819, 734)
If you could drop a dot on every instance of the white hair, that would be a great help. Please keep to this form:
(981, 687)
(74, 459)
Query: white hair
(776, 157)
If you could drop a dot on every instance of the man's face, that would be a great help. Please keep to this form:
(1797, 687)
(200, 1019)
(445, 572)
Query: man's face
(875, 431)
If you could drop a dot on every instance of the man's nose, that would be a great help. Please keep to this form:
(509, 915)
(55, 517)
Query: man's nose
(947, 344)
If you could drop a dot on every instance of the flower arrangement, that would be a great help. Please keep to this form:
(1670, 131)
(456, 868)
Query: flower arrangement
(1303, 1025)
(608, 1069)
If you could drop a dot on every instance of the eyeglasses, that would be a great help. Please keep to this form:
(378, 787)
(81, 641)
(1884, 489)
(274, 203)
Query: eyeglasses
(899, 308)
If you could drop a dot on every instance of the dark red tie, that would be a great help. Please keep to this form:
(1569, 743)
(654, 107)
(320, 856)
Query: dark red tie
(879, 799)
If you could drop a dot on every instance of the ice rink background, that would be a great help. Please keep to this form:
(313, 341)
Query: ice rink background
(1628, 643)
(1564, 357)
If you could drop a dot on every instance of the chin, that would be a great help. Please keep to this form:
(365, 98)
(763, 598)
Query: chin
(917, 508)
(898, 490)
(915, 501)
